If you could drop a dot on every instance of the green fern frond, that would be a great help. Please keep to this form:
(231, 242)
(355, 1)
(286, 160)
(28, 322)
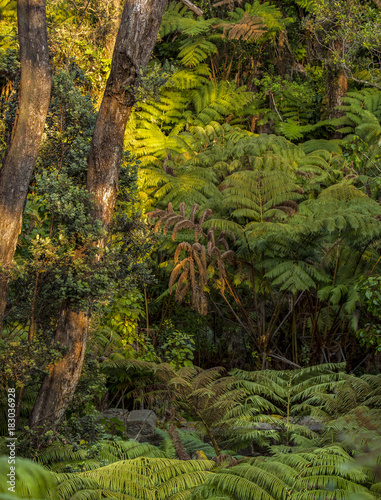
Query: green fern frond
(139, 479)
(195, 51)
(31, 480)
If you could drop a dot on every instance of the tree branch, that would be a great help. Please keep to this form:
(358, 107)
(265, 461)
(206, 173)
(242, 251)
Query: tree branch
(366, 81)
(192, 7)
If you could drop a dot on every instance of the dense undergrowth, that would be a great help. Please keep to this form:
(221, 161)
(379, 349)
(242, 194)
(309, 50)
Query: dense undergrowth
(245, 241)
(307, 433)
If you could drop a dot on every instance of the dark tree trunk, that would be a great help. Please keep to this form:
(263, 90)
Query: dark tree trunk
(133, 47)
(337, 88)
(33, 103)
(284, 61)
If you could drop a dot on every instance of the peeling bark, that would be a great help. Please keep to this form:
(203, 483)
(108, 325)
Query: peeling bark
(133, 47)
(34, 97)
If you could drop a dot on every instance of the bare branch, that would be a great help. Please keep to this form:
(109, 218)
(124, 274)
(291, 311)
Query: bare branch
(192, 7)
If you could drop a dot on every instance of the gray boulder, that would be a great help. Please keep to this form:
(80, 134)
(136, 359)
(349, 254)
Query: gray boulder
(141, 426)
(312, 423)
(115, 420)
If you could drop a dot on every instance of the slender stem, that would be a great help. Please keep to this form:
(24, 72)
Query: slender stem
(146, 303)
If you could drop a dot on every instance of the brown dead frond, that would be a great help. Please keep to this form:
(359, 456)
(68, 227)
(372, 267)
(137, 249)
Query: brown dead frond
(250, 28)
(206, 213)
(175, 273)
(191, 273)
(229, 256)
(182, 224)
(184, 245)
(170, 220)
(289, 207)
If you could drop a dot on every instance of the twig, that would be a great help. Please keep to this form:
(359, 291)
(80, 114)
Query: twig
(285, 360)
(192, 7)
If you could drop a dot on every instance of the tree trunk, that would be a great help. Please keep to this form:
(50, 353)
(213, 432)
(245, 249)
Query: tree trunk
(33, 103)
(133, 47)
(337, 88)
(57, 388)
(115, 10)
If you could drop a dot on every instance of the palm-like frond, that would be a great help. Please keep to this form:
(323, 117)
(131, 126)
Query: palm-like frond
(139, 479)
(321, 473)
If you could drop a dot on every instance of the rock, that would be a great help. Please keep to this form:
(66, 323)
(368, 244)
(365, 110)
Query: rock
(313, 424)
(141, 426)
(266, 426)
(137, 424)
(115, 420)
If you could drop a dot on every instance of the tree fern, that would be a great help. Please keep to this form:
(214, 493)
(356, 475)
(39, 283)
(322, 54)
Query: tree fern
(277, 399)
(322, 473)
(61, 458)
(195, 51)
(362, 115)
(139, 479)
(214, 101)
(270, 15)
(178, 18)
(250, 28)
(259, 196)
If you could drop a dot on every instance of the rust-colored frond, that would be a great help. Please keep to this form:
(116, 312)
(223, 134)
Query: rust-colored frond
(175, 272)
(222, 275)
(290, 207)
(249, 28)
(351, 176)
(211, 236)
(178, 445)
(170, 207)
(197, 232)
(203, 256)
(181, 224)
(192, 274)
(229, 256)
(157, 225)
(206, 213)
(224, 235)
(184, 245)
(180, 293)
(157, 213)
(203, 307)
(197, 246)
(169, 221)
(193, 212)
(215, 251)
(201, 269)
(181, 284)
(222, 241)
(182, 208)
